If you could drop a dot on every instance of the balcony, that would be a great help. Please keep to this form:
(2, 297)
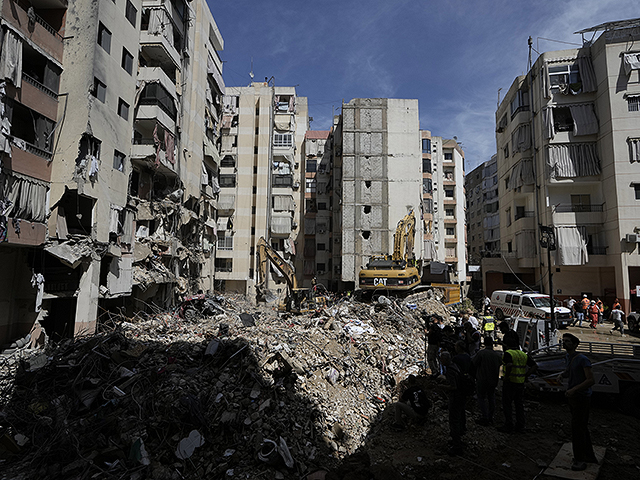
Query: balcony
(152, 74)
(154, 111)
(158, 49)
(43, 33)
(282, 181)
(36, 96)
(145, 148)
(31, 233)
(578, 214)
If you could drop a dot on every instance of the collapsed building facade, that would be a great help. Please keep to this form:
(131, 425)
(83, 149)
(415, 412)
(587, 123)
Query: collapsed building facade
(110, 139)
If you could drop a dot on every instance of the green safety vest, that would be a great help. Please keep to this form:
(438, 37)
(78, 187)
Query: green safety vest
(519, 366)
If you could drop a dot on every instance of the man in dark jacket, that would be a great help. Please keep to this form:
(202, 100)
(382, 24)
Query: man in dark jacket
(414, 404)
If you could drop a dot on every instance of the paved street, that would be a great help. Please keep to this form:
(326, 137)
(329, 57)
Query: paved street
(601, 334)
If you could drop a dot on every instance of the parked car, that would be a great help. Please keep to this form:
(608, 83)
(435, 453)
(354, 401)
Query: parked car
(633, 322)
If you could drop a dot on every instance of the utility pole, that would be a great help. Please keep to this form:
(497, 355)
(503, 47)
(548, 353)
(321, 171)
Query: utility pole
(548, 241)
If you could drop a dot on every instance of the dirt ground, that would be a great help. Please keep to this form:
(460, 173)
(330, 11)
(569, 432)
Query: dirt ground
(420, 452)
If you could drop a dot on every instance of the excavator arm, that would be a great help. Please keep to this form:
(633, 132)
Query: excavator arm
(265, 254)
(404, 237)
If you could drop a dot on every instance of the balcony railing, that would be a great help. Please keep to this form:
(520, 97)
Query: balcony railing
(524, 214)
(568, 208)
(593, 250)
(25, 6)
(39, 86)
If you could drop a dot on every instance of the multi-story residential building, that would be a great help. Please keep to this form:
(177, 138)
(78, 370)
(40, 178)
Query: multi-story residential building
(491, 205)
(380, 178)
(567, 138)
(449, 233)
(317, 209)
(127, 220)
(30, 67)
(262, 167)
(475, 213)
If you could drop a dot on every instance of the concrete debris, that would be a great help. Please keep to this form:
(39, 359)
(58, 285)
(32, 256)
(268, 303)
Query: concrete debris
(243, 392)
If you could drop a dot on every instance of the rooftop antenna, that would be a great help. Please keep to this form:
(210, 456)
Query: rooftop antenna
(251, 72)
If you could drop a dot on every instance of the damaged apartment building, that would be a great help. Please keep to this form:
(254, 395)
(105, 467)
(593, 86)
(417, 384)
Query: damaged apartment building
(111, 117)
(261, 169)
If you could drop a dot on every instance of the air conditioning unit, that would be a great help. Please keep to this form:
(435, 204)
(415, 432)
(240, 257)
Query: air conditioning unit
(632, 238)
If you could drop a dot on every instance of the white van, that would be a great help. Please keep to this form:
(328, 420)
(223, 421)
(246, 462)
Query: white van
(508, 303)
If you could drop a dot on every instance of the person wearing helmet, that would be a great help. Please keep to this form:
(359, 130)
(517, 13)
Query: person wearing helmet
(594, 312)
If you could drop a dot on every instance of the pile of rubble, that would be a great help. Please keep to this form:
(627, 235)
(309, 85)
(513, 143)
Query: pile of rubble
(248, 393)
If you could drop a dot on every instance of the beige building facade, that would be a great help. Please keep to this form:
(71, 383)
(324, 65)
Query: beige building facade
(261, 183)
(567, 139)
(132, 158)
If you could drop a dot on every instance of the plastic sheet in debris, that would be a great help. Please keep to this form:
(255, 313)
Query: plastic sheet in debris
(356, 327)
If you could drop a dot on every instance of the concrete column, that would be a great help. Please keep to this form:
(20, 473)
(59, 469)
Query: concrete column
(87, 307)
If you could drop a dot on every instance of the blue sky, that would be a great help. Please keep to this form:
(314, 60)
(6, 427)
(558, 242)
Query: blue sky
(452, 56)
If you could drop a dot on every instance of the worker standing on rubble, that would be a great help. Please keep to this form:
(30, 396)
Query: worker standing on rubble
(452, 385)
(579, 397)
(508, 334)
(517, 366)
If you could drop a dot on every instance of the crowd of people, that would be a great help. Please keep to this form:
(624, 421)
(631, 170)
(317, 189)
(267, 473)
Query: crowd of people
(463, 359)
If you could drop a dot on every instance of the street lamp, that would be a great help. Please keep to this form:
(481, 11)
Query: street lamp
(548, 241)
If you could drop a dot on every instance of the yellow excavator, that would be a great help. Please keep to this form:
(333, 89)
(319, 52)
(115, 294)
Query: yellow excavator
(396, 272)
(297, 300)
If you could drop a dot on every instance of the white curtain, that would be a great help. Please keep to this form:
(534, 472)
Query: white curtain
(571, 245)
(587, 74)
(114, 219)
(283, 122)
(521, 138)
(11, 58)
(634, 149)
(547, 120)
(631, 61)
(283, 203)
(584, 119)
(573, 160)
(281, 225)
(204, 175)
(226, 202)
(28, 197)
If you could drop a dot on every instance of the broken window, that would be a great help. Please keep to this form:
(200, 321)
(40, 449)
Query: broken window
(131, 13)
(78, 212)
(99, 90)
(40, 71)
(104, 37)
(118, 160)
(228, 161)
(127, 61)
(562, 119)
(31, 130)
(224, 264)
(565, 77)
(123, 109)
(310, 205)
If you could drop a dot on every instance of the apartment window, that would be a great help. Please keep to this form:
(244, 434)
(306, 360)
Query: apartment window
(229, 161)
(509, 247)
(225, 242)
(227, 180)
(448, 156)
(562, 119)
(506, 151)
(520, 102)
(123, 109)
(320, 268)
(99, 89)
(310, 185)
(634, 149)
(321, 247)
(426, 145)
(310, 205)
(312, 165)
(449, 212)
(636, 188)
(282, 140)
(508, 212)
(448, 192)
(322, 205)
(427, 185)
(564, 75)
(426, 165)
(450, 231)
(127, 61)
(131, 13)
(633, 103)
(118, 160)
(104, 38)
(224, 264)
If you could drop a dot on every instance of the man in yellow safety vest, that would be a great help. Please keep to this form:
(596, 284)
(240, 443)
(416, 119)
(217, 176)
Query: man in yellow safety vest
(517, 366)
